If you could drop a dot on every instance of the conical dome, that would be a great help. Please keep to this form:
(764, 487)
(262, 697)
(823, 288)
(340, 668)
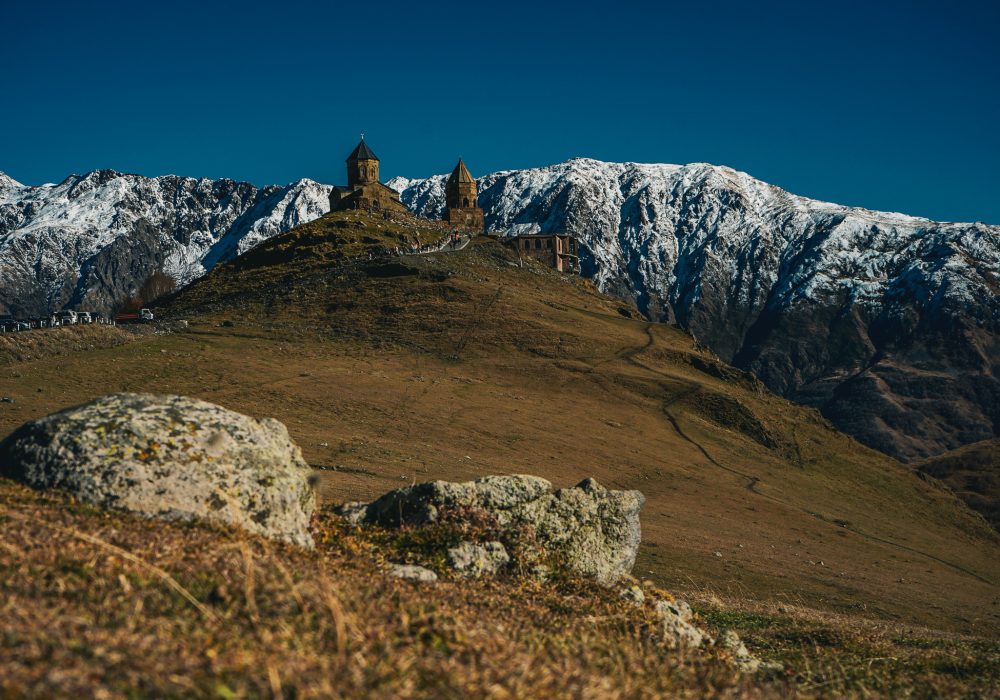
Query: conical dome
(362, 152)
(461, 174)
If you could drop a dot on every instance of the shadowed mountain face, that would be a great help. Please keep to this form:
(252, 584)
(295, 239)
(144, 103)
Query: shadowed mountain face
(888, 324)
(973, 473)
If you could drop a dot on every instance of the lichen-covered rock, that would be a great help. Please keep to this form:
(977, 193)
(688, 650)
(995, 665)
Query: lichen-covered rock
(676, 630)
(476, 560)
(411, 572)
(634, 594)
(169, 457)
(419, 504)
(593, 531)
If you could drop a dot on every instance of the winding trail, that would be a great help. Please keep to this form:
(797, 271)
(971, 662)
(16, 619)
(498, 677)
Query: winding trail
(630, 355)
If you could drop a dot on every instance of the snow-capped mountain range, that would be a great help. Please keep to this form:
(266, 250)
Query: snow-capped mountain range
(888, 323)
(91, 240)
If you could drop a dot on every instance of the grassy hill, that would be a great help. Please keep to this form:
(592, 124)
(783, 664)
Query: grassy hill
(454, 365)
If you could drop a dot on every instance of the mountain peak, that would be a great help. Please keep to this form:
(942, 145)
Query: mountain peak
(7, 182)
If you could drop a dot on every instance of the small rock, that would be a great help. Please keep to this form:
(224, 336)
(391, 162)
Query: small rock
(475, 560)
(741, 656)
(354, 512)
(6, 399)
(633, 594)
(718, 554)
(676, 629)
(411, 572)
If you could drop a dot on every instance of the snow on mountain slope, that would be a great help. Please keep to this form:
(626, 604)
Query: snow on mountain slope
(890, 324)
(90, 240)
(657, 230)
(8, 183)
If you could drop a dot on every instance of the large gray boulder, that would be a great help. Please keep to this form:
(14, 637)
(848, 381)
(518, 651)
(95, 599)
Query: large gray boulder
(169, 457)
(595, 532)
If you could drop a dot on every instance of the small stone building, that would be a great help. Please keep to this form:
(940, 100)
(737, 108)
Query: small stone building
(461, 195)
(364, 191)
(558, 250)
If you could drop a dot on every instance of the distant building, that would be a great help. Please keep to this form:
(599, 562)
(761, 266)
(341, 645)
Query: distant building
(461, 195)
(558, 250)
(364, 191)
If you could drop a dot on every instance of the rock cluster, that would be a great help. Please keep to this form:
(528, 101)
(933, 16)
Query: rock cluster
(594, 531)
(179, 458)
(169, 457)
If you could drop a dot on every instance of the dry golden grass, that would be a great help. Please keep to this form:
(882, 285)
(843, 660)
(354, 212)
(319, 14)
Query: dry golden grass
(105, 604)
(49, 342)
(458, 365)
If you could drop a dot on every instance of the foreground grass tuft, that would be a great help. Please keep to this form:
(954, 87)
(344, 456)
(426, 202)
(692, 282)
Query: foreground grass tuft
(105, 603)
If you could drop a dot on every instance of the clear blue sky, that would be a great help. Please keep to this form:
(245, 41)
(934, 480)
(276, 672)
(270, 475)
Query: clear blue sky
(888, 105)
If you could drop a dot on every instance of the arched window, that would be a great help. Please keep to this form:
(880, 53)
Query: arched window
(465, 202)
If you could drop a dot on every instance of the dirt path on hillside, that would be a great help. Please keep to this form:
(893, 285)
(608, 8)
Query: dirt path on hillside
(753, 483)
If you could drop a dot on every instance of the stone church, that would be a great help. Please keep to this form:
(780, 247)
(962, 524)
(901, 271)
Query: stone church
(461, 194)
(364, 191)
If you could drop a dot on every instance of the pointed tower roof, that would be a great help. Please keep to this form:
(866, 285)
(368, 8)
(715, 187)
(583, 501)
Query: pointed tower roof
(461, 173)
(362, 152)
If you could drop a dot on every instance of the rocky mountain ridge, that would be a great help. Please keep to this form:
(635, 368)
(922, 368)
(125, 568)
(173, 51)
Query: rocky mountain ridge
(887, 323)
(89, 241)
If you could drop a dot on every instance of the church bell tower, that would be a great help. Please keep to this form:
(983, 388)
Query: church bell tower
(460, 195)
(362, 165)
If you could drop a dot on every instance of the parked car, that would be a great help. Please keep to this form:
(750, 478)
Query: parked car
(83, 317)
(67, 318)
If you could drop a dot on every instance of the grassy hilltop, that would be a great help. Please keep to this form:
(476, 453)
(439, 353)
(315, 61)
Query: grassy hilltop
(824, 554)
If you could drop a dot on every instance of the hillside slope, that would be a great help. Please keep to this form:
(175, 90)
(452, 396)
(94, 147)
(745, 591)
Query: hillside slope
(889, 324)
(456, 365)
